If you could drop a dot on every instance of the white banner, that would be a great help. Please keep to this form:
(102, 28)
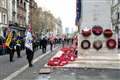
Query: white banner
(28, 42)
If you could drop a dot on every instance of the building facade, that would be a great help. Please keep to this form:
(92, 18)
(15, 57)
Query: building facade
(59, 27)
(115, 17)
(32, 5)
(3, 15)
(19, 14)
(99, 13)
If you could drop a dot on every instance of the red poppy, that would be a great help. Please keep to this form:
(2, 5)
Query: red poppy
(54, 62)
(65, 50)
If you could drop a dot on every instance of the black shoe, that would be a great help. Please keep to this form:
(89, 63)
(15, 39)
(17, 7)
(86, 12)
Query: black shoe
(11, 60)
(30, 65)
(19, 57)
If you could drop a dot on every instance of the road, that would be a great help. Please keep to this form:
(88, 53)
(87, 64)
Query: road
(18, 70)
(7, 68)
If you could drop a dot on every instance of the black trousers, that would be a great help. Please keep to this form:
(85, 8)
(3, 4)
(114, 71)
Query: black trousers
(51, 46)
(11, 53)
(30, 55)
(18, 51)
(44, 49)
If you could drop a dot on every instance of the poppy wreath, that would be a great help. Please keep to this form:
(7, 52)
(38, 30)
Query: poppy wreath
(85, 44)
(97, 44)
(86, 33)
(54, 62)
(111, 43)
(108, 33)
(65, 49)
(97, 30)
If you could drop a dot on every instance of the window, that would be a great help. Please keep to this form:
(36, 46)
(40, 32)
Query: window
(118, 1)
(5, 1)
(13, 2)
(21, 1)
(2, 3)
(115, 2)
(0, 18)
(4, 18)
(17, 1)
(24, 5)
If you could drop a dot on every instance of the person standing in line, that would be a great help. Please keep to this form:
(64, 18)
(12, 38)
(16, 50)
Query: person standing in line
(44, 45)
(40, 40)
(51, 45)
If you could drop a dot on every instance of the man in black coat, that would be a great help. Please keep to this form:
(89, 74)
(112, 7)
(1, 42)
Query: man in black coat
(30, 55)
(44, 45)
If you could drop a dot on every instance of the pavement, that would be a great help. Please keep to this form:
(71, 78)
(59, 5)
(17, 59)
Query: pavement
(80, 74)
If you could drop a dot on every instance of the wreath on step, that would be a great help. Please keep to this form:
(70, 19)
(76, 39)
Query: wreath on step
(85, 44)
(97, 30)
(97, 44)
(86, 33)
(108, 33)
(111, 43)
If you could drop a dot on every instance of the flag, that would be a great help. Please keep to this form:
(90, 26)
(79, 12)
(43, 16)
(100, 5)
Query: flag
(78, 12)
(29, 39)
(9, 37)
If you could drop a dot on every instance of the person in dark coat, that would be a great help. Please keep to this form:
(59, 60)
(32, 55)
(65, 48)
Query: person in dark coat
(51, 45)
(30, 55)
(40, 40)
(18, 48)
(11, 50)
(44, 45)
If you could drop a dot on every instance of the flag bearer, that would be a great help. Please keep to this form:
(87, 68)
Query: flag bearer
(29, 46)
(11, 49)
